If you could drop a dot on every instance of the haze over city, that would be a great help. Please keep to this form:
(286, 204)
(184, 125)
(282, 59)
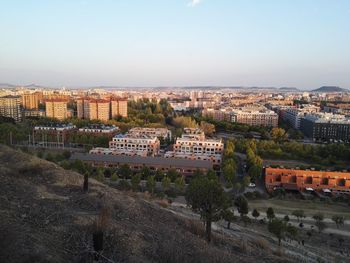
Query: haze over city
(302, 44)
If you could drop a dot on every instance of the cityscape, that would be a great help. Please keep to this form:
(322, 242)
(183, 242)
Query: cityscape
(147, 160)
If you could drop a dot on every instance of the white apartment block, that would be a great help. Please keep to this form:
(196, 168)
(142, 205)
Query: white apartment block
(255, 117)
(193, 145)
(152, 132)
(137, 145)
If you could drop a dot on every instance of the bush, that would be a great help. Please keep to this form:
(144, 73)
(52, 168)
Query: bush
(124, 185)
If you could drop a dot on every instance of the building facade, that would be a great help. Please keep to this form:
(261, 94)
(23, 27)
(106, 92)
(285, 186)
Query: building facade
(10, 106)
(326, 127)
(253, 117)
(119, 107)
(300, 180)
(153, 132)
(294, 115)
(30, 101)
(56, 108)
(194, 145)
(186, 168)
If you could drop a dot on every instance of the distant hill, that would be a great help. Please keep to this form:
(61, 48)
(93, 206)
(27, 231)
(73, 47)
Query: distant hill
(330, 89)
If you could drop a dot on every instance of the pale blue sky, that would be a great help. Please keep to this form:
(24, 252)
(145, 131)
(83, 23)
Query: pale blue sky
(299, 43)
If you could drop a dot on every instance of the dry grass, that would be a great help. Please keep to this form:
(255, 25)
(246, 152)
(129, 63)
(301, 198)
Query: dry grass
(262, 243)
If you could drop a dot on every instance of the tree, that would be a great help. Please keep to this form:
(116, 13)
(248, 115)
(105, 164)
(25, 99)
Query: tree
(229, 170)
(229, 150)
(299, 214)
(159, 175)
(242, 205)
(338, 220)
(286, 218)
(151, 184)
(135, 182)
(208, 128)
(270, 214)
(291, 231)
(229, 217)
(278, 228)
(86, 182)
(166, 183)
(212, 175)
(255, 214)
(278, 134)
(207, 197)
(254, 172)
(319, 222)
(246, 181)
(180, 183)
(146, 172)
(114, 177)
(172, 174)
(125, 171)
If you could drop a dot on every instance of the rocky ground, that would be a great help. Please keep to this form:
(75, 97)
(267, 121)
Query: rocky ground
(46, 217)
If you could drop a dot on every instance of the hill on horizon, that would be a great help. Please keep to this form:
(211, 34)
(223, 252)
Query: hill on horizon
(330, 89)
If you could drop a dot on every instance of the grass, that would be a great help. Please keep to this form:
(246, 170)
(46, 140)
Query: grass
(309, 207)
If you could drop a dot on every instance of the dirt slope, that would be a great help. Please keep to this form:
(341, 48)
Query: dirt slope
(45, 217)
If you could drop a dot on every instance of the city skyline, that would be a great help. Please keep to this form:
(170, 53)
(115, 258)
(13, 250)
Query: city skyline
(175, 43)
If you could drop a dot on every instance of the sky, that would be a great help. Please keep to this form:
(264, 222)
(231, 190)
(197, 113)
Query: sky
(279, 43)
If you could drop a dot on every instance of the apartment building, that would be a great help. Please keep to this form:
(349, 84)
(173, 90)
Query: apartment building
(119, 107)
(135, 144)
(56, 108)
(54, 133)
(152, 132)
(255, 117)
(10, 106)
(300, 180)
(30, 101)
(223, 114)
(326, 127)
(194, 145)
(93, 109)
(293, 116)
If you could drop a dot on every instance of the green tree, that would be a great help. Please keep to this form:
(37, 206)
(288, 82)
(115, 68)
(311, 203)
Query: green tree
(135, 182)
(286, 218)
(319, 217)
(124, 171)
(145, 172)
(242, 205)
(229, 150)
(254, 172)
(166, 183)
(180, 184)
(278, 228)
(159, 175)
(255, 214)
(173, 174)
(229, 170)
(151, 184)
(338, 220)
(229, 217)
(278, 134)
(208, 198)
(246, 181)
(208, 128)
(299, 214)
(270, 214)
(114, 177)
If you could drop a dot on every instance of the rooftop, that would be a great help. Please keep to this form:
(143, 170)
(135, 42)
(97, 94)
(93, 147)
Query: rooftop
(143, 160)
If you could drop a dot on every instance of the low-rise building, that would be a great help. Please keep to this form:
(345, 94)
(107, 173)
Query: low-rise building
(138, 145)
(100, 130)
(194, 145)
(153, 132)
(56, 133)
(300, 180)
(185, 167)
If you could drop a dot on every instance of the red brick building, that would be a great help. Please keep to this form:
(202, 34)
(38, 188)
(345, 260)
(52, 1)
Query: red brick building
(293, 179)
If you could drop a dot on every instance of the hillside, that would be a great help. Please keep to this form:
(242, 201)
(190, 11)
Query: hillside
(330, 89)
(45, 215)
